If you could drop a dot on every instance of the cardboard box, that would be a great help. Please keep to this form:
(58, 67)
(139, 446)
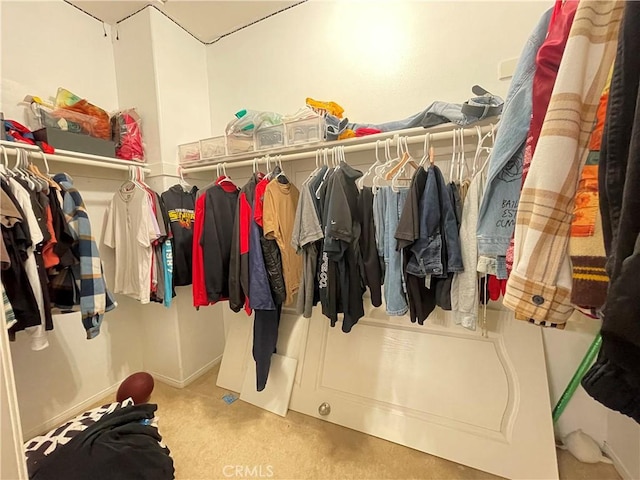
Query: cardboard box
(76, 142)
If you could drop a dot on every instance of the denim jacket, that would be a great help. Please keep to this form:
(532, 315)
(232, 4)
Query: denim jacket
(437, 251)
(497, 214)
(475, 109)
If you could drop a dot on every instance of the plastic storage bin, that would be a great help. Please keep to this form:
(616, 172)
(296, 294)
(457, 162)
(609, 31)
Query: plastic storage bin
(307, 130)
(213, 147)
(239, 144)
(189, 152)
(270, 137)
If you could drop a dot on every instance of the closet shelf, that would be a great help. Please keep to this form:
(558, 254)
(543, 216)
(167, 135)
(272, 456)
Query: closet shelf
(66, 156)
(438, 133)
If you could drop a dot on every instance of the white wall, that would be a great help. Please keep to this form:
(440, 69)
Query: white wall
(180, 64)
(623, 444)
(381, 60)
(45, 45)
(384, 61)
(163, 71)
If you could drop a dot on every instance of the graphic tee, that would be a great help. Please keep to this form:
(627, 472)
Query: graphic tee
(180, 206)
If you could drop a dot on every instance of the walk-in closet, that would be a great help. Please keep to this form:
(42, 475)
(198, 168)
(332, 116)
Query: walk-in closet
(319, 239)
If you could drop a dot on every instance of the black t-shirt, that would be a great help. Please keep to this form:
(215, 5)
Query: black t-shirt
(342, 243)
(180, 210)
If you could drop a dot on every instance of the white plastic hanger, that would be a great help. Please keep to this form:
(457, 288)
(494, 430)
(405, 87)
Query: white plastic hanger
(324, 177)
(316, 170)
(4, 170)
(377, 163)
(20, 168)
(182, 182)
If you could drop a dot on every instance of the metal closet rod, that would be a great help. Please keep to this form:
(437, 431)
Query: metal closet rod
(361, 147)
(66, 156)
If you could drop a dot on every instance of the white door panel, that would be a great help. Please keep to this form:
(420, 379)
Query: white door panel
(481, 402)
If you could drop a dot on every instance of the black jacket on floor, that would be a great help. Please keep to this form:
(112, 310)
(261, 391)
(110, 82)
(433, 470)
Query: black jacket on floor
(116, 447)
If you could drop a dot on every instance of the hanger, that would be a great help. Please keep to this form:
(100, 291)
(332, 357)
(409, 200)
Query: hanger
(360, 181)
(4, 164)
(462, 165)
(324, 177)
(281, 175)
(46, 177)
(316, 170)
(378, 178)
(425, 148)
(453, 153)
(481, 148)
(20, 170)
(406, 158)
(130, 184)
(182, 182)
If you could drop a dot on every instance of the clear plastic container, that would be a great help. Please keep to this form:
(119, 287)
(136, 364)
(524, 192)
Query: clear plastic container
(239, 144)
(270, 137)
(189, 152)
(307, 130)
(213, 147)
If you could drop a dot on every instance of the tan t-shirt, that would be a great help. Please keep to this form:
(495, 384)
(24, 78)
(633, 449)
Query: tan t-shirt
(280, 203)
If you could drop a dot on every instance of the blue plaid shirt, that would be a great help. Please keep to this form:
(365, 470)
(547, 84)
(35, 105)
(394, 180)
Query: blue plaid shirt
(95, 298)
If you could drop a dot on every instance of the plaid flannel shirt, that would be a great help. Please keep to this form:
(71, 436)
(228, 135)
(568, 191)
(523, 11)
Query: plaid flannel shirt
(95, 298)
(539, 288)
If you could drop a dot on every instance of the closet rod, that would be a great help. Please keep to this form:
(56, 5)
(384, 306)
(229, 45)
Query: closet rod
(67, 156)
(361, 147)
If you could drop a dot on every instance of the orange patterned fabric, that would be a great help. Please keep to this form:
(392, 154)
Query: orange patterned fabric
(587, 200)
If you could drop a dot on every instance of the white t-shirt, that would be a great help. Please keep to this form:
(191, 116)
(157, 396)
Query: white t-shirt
(130, 231)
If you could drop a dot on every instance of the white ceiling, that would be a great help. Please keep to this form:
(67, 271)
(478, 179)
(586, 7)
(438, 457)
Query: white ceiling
(206, 20)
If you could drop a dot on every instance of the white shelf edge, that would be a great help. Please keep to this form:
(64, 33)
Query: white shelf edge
(77, 158)
(311, 147)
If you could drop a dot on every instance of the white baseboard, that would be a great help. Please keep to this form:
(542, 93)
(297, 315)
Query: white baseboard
(70, 412)
(191, 378)
(617, 463)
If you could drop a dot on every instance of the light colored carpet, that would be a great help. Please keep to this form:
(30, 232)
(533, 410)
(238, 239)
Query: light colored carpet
(209, 439)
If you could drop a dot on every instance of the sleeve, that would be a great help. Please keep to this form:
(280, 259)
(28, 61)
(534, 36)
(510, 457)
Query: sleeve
(378, 221)
(212, 252)
(236, 294)
(270, 216)
(109, 237)
(464, 287)
(147, 229)
(155, 228)
(339, 220)
(296, 233)
(309, 227)
(198, 288)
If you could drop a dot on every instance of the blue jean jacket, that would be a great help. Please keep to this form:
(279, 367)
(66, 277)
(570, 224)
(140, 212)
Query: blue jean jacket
(442, 112)
(497, 214)
(437, 250)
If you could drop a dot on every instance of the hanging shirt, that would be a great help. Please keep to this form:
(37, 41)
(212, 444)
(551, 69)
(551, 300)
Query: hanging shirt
(342, 244)
(95, 299)
(280, 203)
(216, 240)
(130, 231)
(307, 231)
(270, 250)
(199, 290)
(38, 336)
(17, 241)
(180, 207)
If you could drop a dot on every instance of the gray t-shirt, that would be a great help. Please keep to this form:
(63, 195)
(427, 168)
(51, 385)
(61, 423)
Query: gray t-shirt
(306, 231)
